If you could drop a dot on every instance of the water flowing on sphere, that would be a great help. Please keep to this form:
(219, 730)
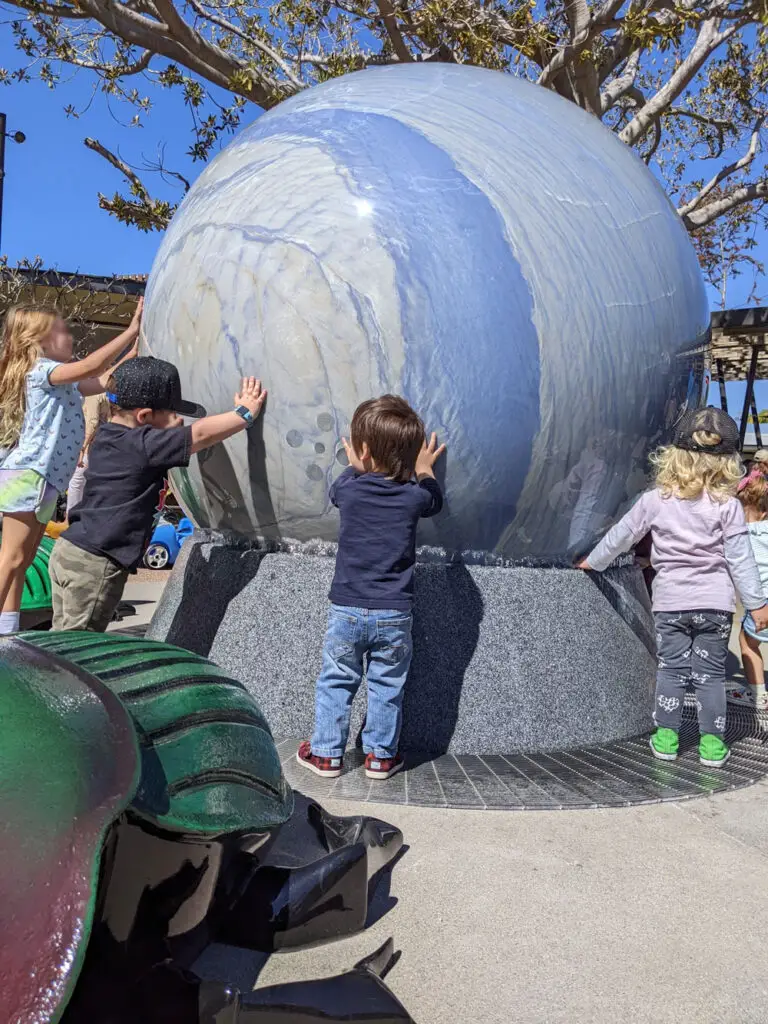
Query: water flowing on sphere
(457, 236)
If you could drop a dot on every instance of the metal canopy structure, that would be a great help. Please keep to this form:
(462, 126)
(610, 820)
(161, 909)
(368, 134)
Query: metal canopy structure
(98, 307)
(738, 352)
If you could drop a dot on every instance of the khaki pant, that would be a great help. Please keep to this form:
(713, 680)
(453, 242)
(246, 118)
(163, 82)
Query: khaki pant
(86, 589)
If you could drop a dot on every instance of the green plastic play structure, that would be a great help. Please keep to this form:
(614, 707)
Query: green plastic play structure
(36, 604)
(37, 584)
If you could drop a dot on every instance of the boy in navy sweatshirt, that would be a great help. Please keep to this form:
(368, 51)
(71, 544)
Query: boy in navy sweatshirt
(389, 485)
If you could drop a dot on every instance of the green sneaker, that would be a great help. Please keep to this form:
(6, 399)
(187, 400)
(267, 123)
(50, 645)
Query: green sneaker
(713, 753)
(664, 744)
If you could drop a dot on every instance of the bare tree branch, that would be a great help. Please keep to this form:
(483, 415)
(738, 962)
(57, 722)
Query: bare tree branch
(583, 72)
(139, 208)
(111, 71)
(584, 28)
(756, 190)
(661, 15)
(197, 44)
(715, 122)
(51, 10)
(648, 67)
(616, 89)
(648, 156)
(387, 12)
(725, 172)
(252, 40)
(707, 41)
(208, 60)
(120, 165)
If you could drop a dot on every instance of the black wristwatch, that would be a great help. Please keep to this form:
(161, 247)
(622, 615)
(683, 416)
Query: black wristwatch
(246, 414)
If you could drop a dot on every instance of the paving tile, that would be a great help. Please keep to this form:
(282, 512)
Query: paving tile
(612, 775)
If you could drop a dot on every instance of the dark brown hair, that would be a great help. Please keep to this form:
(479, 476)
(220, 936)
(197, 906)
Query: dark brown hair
(754, 494)
(393, 432)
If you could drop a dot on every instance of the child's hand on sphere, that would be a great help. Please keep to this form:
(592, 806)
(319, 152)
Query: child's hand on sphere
(428, 456)
(136, 318)
(760, 618)
(134, 329)
(251, 395)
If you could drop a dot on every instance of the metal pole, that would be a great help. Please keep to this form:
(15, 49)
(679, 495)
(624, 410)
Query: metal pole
(2, 171)
(748, 395)
(721, 382)
(756, 421)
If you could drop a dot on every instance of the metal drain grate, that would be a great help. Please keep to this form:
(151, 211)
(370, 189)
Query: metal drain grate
(614, 775)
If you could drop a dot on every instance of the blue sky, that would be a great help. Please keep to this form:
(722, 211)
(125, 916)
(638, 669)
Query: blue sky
(51, 208)
(735, 397)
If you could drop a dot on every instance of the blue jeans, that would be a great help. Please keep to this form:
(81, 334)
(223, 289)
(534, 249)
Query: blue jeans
(385, 637)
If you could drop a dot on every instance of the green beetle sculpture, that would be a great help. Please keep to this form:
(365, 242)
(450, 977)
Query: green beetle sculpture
(144, 815)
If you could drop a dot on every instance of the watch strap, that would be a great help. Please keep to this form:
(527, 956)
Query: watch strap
(246, 414)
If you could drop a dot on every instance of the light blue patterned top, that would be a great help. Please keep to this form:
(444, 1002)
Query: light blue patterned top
(53, 430)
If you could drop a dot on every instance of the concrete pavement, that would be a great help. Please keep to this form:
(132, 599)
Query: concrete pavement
(143, 591)
(652, 914)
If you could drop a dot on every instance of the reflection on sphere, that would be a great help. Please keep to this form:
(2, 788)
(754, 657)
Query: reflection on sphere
(460, 237)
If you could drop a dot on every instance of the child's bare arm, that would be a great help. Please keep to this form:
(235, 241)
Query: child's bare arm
(212, 429)
(98, 385)
(101, 360)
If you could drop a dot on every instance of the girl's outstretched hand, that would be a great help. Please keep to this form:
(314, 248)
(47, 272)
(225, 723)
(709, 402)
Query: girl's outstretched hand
(134, 330)
(136, 318)
(583, 564)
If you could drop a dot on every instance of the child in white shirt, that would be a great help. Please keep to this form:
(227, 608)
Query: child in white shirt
(753, 495)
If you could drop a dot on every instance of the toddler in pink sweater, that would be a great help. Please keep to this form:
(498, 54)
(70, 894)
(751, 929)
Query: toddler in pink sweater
(701, 555)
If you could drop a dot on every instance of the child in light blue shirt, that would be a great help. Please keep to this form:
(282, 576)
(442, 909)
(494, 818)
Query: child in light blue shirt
(41, 431)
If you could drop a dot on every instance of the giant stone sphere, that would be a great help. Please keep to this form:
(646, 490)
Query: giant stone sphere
(457, 236)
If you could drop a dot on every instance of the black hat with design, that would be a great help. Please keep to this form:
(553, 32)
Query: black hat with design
(149, 383)
(711, 421)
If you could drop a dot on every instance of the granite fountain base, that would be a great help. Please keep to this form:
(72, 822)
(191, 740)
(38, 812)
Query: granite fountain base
(505, 659)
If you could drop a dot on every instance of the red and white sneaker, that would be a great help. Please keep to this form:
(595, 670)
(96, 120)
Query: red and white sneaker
(328, 767)
(748, 696)
(382, 767)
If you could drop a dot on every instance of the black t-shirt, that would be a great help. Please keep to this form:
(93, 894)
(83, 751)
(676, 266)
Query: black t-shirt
(126, 469)
(377, 538)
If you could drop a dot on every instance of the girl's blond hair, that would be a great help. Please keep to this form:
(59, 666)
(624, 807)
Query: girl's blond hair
(685, 474)
(754, 494)
(24, 331)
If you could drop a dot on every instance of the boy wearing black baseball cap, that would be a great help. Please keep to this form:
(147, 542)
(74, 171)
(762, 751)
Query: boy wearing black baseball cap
(129, 459)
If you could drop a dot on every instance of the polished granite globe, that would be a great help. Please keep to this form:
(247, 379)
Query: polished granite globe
(459, 237)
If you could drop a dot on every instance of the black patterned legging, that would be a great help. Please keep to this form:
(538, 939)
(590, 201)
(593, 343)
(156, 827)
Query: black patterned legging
(692, 647)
